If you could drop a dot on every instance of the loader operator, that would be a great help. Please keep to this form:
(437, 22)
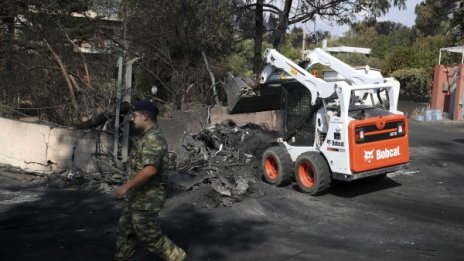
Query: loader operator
(144, 190)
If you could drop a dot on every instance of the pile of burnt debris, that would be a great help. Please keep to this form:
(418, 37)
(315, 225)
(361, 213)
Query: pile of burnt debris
(222, 161)
(217, 165)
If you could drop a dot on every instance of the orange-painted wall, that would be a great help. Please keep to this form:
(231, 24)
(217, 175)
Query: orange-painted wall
(457, 115)
(440, 99)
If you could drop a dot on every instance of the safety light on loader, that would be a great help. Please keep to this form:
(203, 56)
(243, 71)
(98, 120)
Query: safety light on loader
(400, 128)
(359, 134)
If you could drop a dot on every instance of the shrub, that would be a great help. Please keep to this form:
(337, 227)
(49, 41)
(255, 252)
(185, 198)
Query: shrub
(416, 84)
(401, 57)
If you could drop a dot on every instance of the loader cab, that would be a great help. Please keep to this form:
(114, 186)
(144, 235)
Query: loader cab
(299, 114)
(369, 103)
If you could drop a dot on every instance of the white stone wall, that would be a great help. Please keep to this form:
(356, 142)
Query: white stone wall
(47, 149)
(41, 148)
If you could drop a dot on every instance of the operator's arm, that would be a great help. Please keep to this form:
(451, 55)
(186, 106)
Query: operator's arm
(141, 178)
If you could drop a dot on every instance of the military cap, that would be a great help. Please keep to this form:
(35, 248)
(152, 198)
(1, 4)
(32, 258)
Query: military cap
(145, 105)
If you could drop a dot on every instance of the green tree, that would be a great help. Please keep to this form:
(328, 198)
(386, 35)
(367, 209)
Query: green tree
(413, 66)
(339, 11)
(401, 57)
(433, 17)
(296, 37)
(238, 62)
(384, 43)
(388, 27)
(360, 35)
(422, 54)
(457, 24)
(381, 37)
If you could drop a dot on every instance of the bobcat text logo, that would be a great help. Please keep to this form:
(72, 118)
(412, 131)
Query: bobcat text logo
(335, 143)
(381, 154)
(388, 153)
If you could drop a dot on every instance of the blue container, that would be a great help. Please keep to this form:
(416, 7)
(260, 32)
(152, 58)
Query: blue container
(437, 115)
(428, 115)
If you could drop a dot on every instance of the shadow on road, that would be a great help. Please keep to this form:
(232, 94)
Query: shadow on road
(193, 230)
(58, 225)
(361, 187)
(80, 225)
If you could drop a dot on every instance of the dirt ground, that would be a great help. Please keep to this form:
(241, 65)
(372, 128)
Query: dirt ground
(413, 214)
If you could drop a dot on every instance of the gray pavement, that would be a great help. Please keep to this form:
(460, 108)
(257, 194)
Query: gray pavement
(413, 214)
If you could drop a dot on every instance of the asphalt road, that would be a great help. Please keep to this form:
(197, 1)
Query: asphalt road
(413, 214)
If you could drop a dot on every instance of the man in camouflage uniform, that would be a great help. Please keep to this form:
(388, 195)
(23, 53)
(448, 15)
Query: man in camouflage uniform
(144, 190)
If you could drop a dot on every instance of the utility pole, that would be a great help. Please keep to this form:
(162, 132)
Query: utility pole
(119, 87)
(124, 94)
(127, 98)
(303, 45)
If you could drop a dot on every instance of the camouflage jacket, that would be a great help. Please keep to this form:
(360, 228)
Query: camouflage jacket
(150, 149)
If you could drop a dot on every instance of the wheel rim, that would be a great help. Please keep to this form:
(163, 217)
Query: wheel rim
(271, 168)
(306, 174)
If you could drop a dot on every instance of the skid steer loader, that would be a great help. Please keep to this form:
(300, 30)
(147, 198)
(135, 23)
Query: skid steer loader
(343, 127)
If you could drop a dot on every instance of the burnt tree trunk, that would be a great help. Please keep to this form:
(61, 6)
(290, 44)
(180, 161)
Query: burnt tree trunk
(10, 32)
(279, 35)
(257, 60)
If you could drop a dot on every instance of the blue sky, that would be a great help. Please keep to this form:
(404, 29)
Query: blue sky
(406, 17)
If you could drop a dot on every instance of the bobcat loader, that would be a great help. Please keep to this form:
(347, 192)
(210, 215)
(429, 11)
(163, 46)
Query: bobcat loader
(343, 127)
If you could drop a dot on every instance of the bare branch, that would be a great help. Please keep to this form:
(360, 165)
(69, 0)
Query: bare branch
(64, 71)
(269, 7)
(73, 80)
(86, 68)
(332, 8)
(213, 79)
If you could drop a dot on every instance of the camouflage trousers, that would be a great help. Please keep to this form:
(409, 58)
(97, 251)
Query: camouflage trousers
(144, 225)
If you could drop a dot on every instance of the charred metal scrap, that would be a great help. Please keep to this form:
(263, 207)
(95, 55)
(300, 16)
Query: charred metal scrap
(224, 157)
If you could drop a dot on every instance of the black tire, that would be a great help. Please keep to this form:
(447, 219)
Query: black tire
(312, 174)
(276, 166)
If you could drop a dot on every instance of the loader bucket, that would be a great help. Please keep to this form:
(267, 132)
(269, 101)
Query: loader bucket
(241, 98)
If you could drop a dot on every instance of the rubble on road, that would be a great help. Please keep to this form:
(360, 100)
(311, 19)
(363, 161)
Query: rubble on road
(76, 179)
(224, 158)
(20, 175)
